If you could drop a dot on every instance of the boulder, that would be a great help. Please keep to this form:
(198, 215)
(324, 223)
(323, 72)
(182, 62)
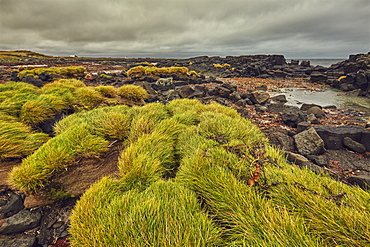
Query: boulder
(333, 136)
(303, 162)
(223, 92)
(243, 112)
(362, 180)
(18, 240)
(305, 63)
(316, 111)
(279, 98)
(365, 139)
(20, 222)
(281, 140)
(292, 116)
(260, 97)
(302, 126)
(306, 107)
(353, 145)
(311, 118)
(10, 204)
(185, 91)
(320, 160)
(308, 142)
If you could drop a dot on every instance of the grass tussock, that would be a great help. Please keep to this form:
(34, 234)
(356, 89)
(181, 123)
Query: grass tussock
(36, 170)
(17, 139)
(132, 93)
(107, 91)
(212, 153)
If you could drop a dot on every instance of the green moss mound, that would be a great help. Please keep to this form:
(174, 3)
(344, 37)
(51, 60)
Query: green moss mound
(184, 181)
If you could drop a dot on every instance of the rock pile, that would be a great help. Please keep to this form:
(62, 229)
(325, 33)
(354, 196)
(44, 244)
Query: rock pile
(26, 227)
(351, 75)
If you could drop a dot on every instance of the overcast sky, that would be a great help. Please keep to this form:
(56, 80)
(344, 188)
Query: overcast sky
(186, 28)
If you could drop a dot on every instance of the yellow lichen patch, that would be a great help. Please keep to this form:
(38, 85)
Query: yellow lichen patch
(217, 65)
(342, 77)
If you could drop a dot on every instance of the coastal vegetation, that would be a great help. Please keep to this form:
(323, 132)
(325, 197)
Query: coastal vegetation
(69, 72)
(185, 181)
(24, 107)
(152, 70)
(187, 173)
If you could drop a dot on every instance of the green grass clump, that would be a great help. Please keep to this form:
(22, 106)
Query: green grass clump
(17, 139)
(193, 164)
(88, 97)
(107, 91)
(44, 107)
(132, 92)
(71, 84)
(36, 170)
(19, 87)
(111, 122)
(71, 71)
(165, 214)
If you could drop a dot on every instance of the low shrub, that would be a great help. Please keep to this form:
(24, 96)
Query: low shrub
(165, 214)
(18, 87)
(70, 84)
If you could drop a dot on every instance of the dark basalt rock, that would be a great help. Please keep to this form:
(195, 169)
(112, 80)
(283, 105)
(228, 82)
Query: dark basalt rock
(20, 222)
(292, 116)
(333, 136)
(308, 142)
(10, 204)
(353, 145)
(18, 240)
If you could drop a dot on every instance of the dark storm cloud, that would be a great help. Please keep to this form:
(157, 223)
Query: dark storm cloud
(330, 28)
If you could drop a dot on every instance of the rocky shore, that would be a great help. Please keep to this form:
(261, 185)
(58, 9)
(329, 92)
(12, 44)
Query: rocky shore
(324, 139)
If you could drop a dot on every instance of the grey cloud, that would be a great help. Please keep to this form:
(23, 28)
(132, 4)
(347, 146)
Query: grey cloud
(302, 28)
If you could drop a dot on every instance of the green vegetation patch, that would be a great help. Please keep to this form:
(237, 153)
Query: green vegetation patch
(69, 72)
(193, 175)
(151, 70)
(132, 92)
(17, 139)
(201, 175)
(28, 107)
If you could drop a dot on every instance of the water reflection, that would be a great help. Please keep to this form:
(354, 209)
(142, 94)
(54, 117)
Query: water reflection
(324, 97)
